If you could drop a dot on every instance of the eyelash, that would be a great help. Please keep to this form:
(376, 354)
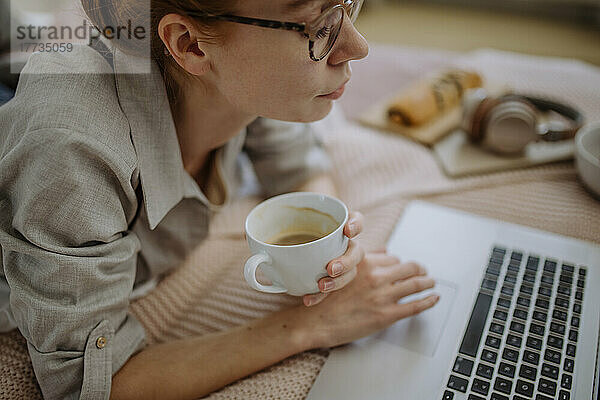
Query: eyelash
(322, 32)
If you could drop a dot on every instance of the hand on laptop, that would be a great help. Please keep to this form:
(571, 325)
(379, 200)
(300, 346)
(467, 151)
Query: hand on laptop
(370, 301)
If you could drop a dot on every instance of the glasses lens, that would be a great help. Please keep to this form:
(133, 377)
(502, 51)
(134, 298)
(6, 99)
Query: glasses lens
(328, 32)
(354, 9)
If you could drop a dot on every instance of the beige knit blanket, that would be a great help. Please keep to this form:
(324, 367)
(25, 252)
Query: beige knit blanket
(377, 174)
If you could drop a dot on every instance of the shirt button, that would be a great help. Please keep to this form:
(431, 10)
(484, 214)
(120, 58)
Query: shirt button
(101, 342)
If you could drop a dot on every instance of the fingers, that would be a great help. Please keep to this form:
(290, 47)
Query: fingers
(313, 299)
(410, 286)
(409, 309)
(355, 224)
(402, 271)
(349, 260)
(327, 284)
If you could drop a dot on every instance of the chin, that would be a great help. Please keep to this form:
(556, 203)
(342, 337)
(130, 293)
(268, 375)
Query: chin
(316, 112)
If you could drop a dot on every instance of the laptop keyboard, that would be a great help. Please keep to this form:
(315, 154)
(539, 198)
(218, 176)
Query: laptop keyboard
(527, 349)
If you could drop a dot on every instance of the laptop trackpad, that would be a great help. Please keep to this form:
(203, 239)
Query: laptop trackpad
(422, 332)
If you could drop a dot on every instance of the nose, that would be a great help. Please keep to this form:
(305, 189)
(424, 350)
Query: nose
(350, 44)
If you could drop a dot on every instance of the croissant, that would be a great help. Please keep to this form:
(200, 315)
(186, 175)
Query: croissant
(429, 98)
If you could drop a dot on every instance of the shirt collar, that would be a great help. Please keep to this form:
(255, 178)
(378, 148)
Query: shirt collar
(144, 101)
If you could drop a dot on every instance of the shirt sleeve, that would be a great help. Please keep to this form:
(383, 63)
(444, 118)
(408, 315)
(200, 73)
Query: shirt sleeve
(66, 202)
(284, 154)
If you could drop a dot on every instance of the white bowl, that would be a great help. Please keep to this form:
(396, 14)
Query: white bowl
(587, 156)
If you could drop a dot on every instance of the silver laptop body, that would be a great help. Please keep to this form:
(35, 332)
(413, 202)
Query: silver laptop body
(455, 352)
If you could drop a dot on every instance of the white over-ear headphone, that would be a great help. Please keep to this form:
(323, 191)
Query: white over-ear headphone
(506, 124)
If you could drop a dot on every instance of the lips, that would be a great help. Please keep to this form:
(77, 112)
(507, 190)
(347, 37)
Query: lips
(338, 89)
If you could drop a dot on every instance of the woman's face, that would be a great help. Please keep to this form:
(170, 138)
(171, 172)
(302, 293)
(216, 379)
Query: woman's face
(269, 73)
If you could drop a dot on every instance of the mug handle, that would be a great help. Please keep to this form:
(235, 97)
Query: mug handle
(250, 274)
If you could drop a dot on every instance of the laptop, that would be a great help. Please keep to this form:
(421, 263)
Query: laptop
(517, 318)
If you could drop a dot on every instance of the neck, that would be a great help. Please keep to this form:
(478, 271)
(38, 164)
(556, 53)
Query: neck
(204, 121)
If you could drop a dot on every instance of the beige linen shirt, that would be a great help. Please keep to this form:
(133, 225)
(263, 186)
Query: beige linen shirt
(94, 199)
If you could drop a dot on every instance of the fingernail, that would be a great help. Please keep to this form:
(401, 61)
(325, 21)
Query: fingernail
(353, 228)
(328, 285)
(337, 269)
(310, 301)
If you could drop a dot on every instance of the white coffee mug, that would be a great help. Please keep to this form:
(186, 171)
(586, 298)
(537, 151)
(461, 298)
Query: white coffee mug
(294, 269)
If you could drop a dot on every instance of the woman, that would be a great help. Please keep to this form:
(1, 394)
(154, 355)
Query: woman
(108, 180)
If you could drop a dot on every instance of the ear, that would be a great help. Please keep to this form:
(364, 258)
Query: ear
(177, 33)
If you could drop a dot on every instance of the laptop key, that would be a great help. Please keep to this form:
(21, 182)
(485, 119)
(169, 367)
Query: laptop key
(580, 283)
(457, 383)
(542, 397)
(548, 279)
(480, 386)
(472, 337)
(507, 290)
(489, 356)
(448, 395)
(577, 308)
(496, 328)
(503, 385)
(510, 355)
(575, 321)
(571, 349)
(564, 395)
(492, 341)
(504, 302)
(573, 335)
(506, 369)
(568, 267)
(563, 289)
(510, 279)
(579, 295)
(554, 341)
(488, 284)
(545, 291)
(528, 277)
(484, 371)
(463, 366)
(540, 316)
(500, 315)
(527, 289)
(537, 329)
(566, 381)
(547, 387)
(524, 388)
(523, 301)
(527, 371)
(557, 328)
(531, 357)
(550, 266)
(549, 371)
(475, 397)
(534, 343)
(560, 315)
(568, 365)
(582, 271)
(521, 314)
(514, 340)
(498, 396)
(517, 327)
(542, 303)
(552, 356)
(562, 302)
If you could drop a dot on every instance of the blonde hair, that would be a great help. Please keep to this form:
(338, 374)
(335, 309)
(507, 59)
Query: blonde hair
(103, 13)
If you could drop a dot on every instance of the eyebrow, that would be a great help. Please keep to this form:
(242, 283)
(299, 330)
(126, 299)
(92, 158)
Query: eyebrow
(298, 5)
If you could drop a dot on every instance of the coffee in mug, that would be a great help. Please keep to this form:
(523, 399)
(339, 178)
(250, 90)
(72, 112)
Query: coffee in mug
(292, 237)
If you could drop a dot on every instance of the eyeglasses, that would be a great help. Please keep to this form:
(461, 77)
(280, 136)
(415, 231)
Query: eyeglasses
(321, 33)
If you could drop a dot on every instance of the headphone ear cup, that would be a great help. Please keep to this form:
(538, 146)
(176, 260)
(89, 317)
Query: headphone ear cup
(510, 126)
(471, 103)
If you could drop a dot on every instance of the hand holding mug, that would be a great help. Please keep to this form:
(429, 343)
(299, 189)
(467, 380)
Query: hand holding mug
(341, 270)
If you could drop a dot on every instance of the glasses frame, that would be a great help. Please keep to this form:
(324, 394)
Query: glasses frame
(309, 29)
